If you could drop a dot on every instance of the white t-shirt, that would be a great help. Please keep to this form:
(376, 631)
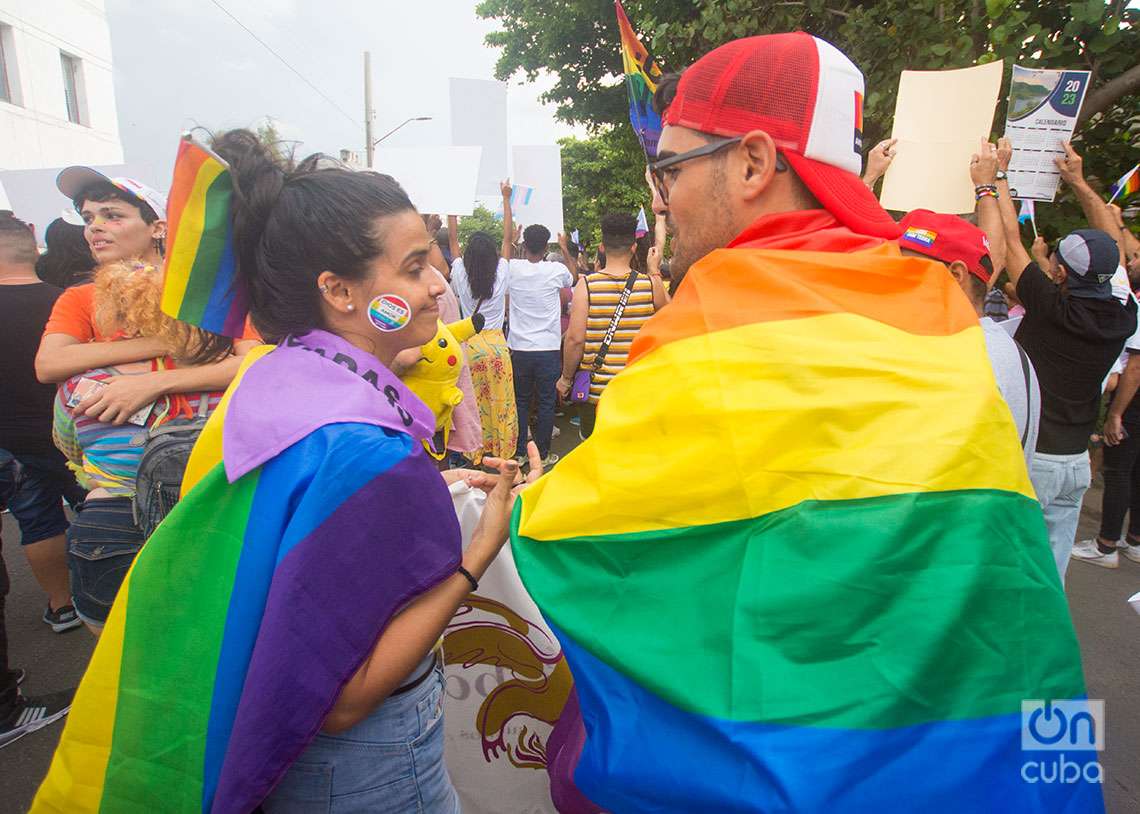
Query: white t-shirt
(1017, 381)
(536, 309)
(494, 308)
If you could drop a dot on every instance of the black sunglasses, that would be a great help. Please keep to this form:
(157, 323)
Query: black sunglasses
(657, 168)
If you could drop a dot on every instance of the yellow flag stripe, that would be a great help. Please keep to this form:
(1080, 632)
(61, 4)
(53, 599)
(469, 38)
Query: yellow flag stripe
(749, 420)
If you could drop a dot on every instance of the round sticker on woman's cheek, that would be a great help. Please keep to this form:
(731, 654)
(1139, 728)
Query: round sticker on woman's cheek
(389, 312)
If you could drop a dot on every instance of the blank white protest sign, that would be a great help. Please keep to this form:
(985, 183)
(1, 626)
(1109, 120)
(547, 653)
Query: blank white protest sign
(540, 166)
(439, 180)
(479, 119)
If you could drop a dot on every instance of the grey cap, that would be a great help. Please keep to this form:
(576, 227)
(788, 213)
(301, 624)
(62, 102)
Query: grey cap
(1091, 258)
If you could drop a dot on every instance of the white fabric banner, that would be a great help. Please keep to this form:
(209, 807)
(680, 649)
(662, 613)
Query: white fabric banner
(507, 682)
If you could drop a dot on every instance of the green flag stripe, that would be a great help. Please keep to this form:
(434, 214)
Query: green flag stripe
(203, 274)
(868, 614)
(179, 659)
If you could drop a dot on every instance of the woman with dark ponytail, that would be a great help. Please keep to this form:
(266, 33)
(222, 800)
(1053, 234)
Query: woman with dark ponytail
(479, 279)
(276, 643)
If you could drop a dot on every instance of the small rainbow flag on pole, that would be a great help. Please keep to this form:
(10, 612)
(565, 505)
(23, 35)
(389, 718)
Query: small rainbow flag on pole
(1129, 184)
(641, 73)
(1028, 214)
(201, 285)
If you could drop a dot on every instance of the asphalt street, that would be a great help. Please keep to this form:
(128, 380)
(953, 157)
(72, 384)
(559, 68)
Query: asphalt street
(1108, 629)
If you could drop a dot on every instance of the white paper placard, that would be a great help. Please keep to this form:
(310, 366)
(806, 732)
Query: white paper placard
(940, 118)
(479, 118)
(540, 167)
(1043, 108)
(439, 180)
(4, 202)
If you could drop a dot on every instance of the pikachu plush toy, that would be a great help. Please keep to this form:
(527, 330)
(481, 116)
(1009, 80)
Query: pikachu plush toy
(434, 378)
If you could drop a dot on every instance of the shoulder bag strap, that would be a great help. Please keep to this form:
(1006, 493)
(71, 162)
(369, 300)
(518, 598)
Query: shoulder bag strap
(600, 356)
(1028, 392)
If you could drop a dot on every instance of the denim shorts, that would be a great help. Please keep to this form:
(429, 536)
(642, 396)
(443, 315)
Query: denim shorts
(389, 763)
(42, 482)
(101, 545)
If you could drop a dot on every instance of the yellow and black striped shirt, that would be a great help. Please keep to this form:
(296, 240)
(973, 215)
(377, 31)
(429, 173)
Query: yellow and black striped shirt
(605, 292)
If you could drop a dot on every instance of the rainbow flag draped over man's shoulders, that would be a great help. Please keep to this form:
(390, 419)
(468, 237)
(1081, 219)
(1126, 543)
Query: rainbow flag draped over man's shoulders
(799, 566)
(311, 514)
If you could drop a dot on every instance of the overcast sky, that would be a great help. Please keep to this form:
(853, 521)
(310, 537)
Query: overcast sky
(184, 62)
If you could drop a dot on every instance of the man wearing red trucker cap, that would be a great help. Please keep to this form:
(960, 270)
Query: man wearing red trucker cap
(798, 566)
(965, 251)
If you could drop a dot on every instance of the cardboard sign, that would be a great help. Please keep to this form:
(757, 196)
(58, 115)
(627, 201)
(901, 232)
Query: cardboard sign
(940, 117)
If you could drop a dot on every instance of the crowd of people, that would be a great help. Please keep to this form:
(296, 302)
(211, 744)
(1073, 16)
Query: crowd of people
(128, 416)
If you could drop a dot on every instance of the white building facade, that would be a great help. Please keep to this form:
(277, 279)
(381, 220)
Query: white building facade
(57, 92)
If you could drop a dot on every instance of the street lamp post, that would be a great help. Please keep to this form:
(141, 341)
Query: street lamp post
(401, 124)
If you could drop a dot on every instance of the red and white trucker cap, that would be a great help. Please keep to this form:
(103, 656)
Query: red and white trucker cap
(808, 96)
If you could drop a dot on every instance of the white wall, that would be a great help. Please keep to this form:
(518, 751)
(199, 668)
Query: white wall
(34, 130)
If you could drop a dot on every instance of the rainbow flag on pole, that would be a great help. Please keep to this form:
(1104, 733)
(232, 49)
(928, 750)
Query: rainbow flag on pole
(310, 516)
(641, 73)
(201, 285)
(1129, 184)
(799, 565)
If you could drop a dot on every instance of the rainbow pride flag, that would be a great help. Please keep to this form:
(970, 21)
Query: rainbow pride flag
(641, 73)
(1129, 184)
(201, 285)
(799, 565)
(311, 514)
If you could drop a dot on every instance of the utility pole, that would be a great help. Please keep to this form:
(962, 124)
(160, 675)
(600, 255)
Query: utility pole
(369, 147)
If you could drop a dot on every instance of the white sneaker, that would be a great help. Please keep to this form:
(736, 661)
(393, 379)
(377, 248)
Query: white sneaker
(1087, 551)
(1130, 551)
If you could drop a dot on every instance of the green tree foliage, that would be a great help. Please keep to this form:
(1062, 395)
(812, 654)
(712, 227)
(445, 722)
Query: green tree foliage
(598, 177)
(482, 220)
(578, 42)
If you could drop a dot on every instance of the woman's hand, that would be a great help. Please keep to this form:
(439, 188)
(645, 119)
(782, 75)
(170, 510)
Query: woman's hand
(495, 523)
(563, 386)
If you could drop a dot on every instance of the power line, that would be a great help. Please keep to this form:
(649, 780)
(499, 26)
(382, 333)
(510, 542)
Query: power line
(283, 61)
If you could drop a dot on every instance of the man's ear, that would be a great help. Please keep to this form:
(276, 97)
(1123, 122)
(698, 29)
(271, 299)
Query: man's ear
(959, 271)
(757, 152)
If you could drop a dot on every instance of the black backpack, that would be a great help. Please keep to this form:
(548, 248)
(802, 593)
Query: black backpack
(166, 452)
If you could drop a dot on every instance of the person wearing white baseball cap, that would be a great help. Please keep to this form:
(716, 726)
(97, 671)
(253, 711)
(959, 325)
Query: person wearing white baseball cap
(124, 220)
(781, 565)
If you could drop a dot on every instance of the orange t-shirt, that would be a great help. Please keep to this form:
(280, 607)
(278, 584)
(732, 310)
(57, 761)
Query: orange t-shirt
(74, 315)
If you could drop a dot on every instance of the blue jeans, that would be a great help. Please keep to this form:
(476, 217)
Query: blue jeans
(101, 545)
(43, 483)
(389, 763)
(1061, 482)
(536, 374)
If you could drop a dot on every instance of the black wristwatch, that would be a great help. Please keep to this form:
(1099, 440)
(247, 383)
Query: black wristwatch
(1001, 175)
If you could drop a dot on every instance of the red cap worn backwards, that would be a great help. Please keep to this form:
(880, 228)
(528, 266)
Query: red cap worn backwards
(808, 97)
(946, 238)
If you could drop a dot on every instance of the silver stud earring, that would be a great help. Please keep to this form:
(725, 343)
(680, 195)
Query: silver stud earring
(351, 307)
(324, 289)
